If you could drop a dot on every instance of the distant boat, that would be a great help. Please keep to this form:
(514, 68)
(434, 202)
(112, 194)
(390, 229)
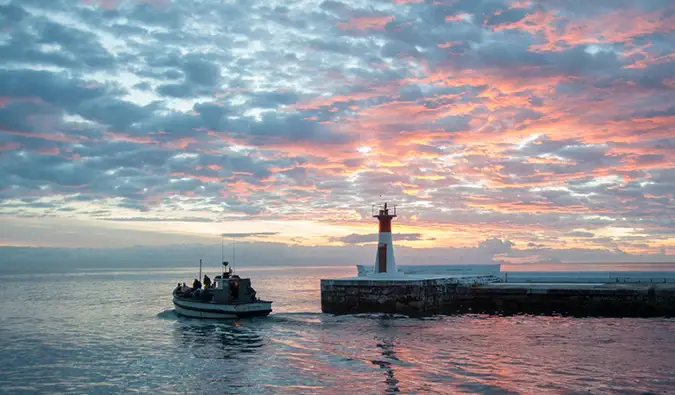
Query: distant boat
(229, 296)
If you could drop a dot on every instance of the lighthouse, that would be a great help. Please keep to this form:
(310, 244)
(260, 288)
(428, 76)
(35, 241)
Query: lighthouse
(418, 290)
(385, 264)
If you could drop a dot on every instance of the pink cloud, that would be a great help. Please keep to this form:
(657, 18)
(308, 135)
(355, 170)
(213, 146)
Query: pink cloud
(57, 136)
(113, 136)
(366, 23)
(9, 146)
(6, 100)
(53, 150)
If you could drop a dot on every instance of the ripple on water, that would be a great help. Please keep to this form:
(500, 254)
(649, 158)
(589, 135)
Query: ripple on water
(119, 334)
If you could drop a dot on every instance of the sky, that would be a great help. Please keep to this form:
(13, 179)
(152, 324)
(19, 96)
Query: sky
(508, 131)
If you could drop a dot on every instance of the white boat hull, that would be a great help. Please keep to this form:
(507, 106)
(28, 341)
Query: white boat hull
(197, 309)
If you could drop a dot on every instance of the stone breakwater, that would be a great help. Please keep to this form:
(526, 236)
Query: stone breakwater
(413, 297)
(424, 297)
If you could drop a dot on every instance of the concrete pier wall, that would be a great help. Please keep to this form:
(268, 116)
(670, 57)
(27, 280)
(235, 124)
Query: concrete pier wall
(608, 300)
(409, 297)
(454, 296)
(590, 277)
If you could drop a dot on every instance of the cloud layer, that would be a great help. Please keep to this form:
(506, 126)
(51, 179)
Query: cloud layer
(546, 125)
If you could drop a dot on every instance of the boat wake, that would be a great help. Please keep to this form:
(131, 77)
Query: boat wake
(168, 314)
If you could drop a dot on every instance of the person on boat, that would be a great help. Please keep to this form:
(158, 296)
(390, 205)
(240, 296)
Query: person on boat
(207, 281)
(196, 284)
(178, 289)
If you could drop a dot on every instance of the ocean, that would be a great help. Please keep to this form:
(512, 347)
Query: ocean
(115, 332)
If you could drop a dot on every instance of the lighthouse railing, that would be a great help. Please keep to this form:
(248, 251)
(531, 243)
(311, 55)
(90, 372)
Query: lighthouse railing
(376, 209)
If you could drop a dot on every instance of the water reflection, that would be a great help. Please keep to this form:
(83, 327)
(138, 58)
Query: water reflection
(219, 340)
(386, 346)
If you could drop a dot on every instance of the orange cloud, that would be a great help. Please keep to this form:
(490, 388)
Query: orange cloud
(615, 27)
(365, 23)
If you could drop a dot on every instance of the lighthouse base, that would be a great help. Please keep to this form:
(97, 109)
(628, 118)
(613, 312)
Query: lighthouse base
(408, 295)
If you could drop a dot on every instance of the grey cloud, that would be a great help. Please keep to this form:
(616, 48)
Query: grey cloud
(272, 99)
(79, 49)
(114, 112)
(176, 90)
(334, 6)
(293, 128)
(12, 13)
(337, 46)
(454, 123)
(496, 246)
(510, 15)
(44, 168)
(155, 219)
(213, 115)
(580, 234)
(19, 116)
(372, 238)
(170, 17)
(410, 93)
(252, 234)
(584, 152)
(201, 72)
(54, 88)
(397, 49)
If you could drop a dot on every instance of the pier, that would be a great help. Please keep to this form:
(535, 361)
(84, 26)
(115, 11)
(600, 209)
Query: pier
(427, 290)
(423, 297)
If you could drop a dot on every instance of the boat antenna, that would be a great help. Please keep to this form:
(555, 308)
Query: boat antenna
(200, 268)
(233, 261)
(222, 252)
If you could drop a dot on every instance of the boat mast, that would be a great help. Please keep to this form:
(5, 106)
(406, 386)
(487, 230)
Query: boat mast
(233, 261)
(200, 268)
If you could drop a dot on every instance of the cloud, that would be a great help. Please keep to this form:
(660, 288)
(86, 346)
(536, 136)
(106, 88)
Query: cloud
(497, 246)
(512, 124)
(580, 234)
(163, 219)
(253, 234)
(372, 238)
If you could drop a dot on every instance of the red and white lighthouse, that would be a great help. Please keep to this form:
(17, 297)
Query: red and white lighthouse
(384, 260)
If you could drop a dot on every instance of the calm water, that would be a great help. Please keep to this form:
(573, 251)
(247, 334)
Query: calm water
(115, 332)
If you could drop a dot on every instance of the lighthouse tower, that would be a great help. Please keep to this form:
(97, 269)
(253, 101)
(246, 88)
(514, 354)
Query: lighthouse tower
(385, 264)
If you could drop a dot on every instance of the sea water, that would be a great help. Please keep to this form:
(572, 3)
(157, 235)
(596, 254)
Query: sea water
(115, 332)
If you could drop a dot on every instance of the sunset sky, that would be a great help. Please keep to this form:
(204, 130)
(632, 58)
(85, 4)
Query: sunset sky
(527, 131)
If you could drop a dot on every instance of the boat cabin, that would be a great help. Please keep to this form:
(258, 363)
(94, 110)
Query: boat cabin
(232, 290)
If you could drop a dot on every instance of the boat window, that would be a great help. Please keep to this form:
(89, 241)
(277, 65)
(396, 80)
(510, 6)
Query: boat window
(235, 289)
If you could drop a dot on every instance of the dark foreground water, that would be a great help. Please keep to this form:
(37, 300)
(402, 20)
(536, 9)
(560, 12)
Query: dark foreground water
(115, 332)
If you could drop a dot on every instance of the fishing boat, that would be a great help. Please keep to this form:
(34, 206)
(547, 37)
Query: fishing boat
(228, 296)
